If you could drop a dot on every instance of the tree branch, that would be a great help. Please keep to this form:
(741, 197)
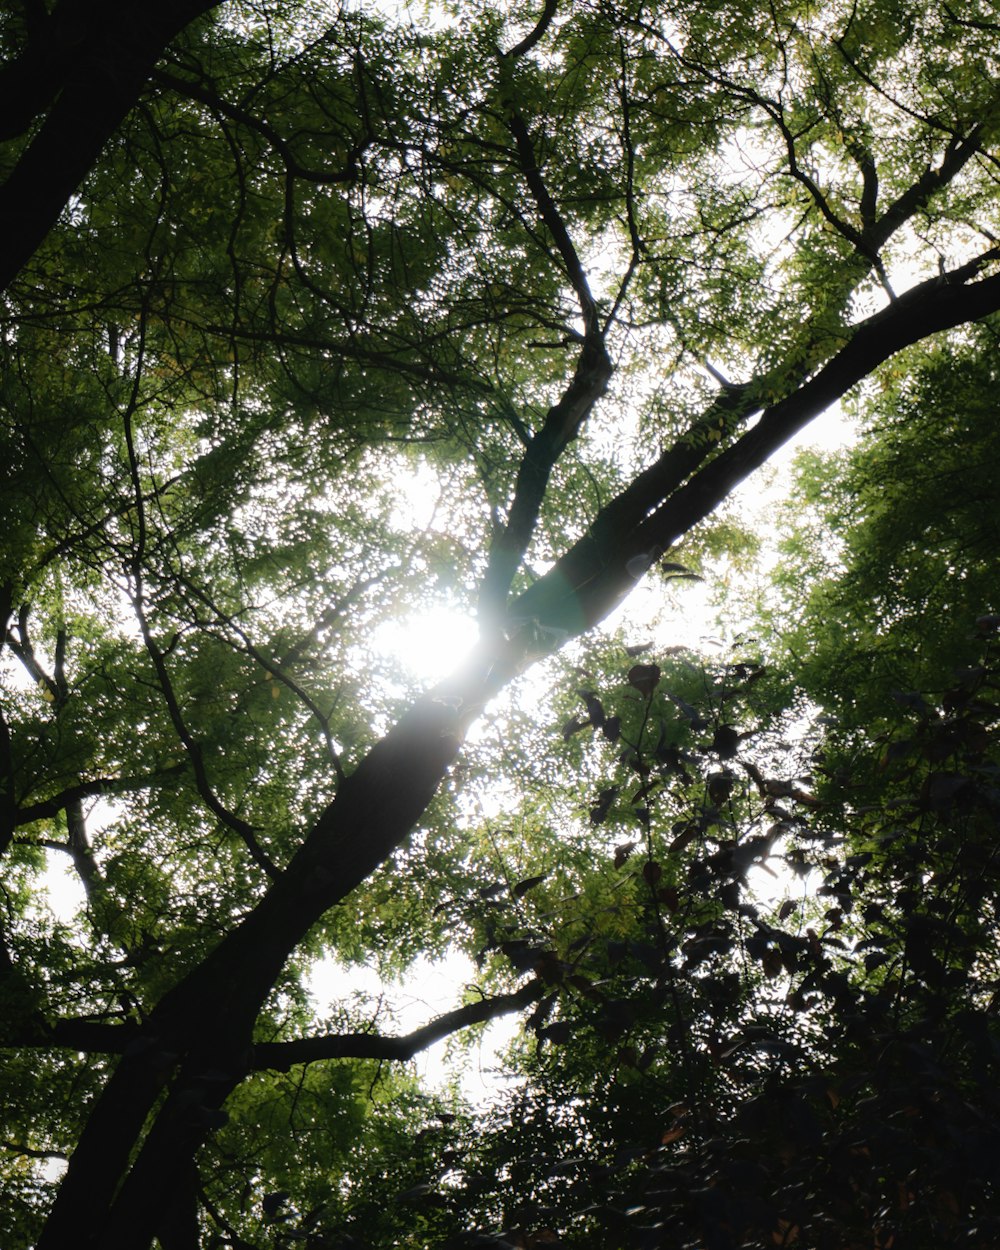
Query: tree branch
(88, 87)
(563, 420)
(48, 808)
(599, 570)
(232, 112)
(280, 1056)
(21, 645)
(534, 35)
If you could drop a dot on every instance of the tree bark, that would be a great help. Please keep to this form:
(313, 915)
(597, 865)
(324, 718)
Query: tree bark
(83, 71)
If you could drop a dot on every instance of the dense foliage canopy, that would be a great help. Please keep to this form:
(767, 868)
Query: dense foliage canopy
(315, 318)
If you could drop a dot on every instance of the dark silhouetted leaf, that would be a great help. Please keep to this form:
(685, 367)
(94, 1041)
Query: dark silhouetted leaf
(622, 852)
(271, 1203)
(725, 742)
(573, 726)
(911, 701)
(697, 721)
(527, 884)
(669, 896)
(651, 871)
(415, 1192)
(720, 786)
(599, 811)
(679, 570)
(644, 678)
(684, 834)
(595, 709)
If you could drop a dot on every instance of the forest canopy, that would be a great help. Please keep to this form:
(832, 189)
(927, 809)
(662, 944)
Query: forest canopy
(314, 318)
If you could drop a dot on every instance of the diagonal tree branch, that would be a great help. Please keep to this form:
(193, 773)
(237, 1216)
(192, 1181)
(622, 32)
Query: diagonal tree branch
(87, 86)
(599, 570)
(280, 1056)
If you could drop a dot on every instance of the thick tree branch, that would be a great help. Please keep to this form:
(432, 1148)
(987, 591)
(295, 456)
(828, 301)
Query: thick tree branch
(280, 1056)
(959, 152)
(210, 1015)
(562, 422)
(551, 217)
(88, 1036)
(536, 34)
(599, 570)
(87, 80)
(564, 419)
(79, 847)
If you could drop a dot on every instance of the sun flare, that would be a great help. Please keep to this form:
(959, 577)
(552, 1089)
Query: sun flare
(428, 644)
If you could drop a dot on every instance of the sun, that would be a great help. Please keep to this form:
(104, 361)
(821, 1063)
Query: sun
(429, 643)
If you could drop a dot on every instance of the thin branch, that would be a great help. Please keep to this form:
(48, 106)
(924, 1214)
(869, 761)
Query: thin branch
(233, 112)
(551, 216)
(273, 668)
(57, 687)
(635, 241)
(66, 544)
(21, 645)
(48, 808)
(989, 27)
(243, 829)
(29, 1152)
(331, 614)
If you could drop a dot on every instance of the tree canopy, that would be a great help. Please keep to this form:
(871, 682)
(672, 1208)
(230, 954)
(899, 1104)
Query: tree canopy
(316, 316)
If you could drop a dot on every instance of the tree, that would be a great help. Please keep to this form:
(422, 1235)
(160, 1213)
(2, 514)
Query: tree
(899, 551)
(817, 1067)
(262, 260)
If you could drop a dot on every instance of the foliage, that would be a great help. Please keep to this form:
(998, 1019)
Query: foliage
(314, 317)
(725, 1070)
(899, 556)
